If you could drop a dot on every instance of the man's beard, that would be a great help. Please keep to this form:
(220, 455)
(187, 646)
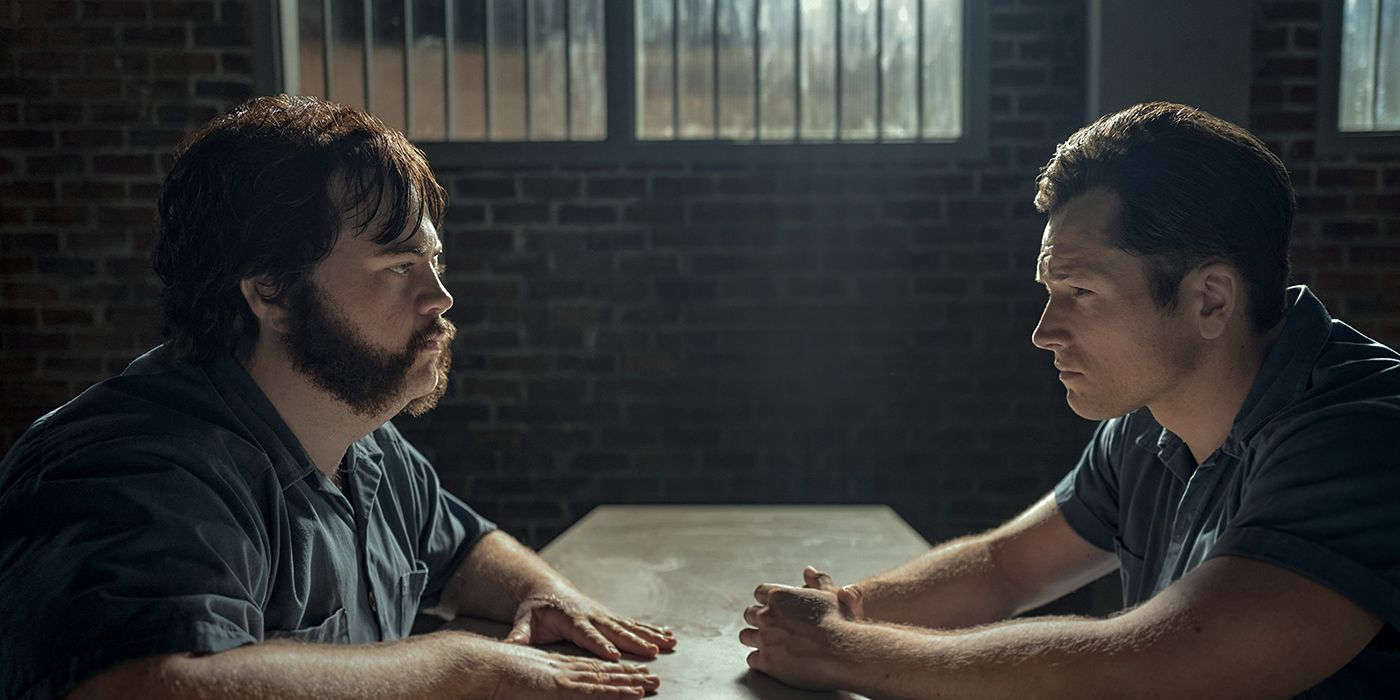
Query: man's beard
(335, 356)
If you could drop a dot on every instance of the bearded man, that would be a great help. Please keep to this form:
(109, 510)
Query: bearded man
(234, 515)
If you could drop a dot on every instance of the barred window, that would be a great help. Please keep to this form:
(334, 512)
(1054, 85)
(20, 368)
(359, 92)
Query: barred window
(741, 71)
(1370, 75)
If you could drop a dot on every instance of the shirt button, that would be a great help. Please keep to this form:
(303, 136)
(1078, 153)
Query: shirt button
(372, 604)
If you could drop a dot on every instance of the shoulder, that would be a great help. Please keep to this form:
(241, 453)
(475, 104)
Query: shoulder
(156, 417)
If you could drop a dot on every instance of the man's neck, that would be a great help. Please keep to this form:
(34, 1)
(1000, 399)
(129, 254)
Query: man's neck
(323, 425)
(1203, 409)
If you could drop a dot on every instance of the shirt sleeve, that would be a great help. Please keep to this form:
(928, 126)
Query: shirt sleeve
(1322, 502)
(1088, 495)
(117, 552)
(447, 529)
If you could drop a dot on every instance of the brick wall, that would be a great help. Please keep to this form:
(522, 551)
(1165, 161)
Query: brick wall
(686, 332)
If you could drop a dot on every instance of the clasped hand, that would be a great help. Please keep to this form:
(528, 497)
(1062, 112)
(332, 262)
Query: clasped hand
(794, 629)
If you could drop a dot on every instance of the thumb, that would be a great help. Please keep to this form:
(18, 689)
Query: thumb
(520, 634)
(849, 599)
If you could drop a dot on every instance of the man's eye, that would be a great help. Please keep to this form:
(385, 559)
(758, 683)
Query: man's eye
(1079, 291)
(401, 268)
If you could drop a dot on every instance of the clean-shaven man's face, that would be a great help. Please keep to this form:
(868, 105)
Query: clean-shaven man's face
(1115, 349)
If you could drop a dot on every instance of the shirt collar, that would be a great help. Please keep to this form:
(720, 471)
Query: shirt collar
(1287, 368)
(289, 459)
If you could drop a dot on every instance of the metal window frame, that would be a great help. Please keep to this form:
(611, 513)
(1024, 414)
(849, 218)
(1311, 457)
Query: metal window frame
(1330, 138)
(620, 142)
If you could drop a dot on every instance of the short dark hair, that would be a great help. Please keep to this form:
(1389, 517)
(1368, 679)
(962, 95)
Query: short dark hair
(262, 192)
(1194, 189)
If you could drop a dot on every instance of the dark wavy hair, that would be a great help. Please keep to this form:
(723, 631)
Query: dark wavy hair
(263, 192)
(1194, 189)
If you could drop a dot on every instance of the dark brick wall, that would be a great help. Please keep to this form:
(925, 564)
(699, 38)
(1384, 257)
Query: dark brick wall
(690, 332)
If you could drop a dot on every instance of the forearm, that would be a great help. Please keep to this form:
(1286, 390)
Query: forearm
(443, 665)
(956, 584)
(498, 574)
(1041, 657)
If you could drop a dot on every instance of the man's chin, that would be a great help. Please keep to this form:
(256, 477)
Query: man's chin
(428, 401)
(1088, 410)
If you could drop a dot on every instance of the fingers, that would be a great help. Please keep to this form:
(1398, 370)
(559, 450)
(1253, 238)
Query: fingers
(625, 639)
(591, 679)
(761, 593)
(818, 580)
(756, 661)
(662, 637)
(851, 600)
(582, 633)
(751, 614)
(749, 637)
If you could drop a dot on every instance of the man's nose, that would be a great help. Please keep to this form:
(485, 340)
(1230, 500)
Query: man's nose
(1049, 334)
(436, 300)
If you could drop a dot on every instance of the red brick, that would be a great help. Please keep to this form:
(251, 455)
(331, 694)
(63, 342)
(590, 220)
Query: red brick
(47, 166)
(123, 165)
(1347, 177)
(49, 61)
(90, 138)
(26, 138)
(164, 37)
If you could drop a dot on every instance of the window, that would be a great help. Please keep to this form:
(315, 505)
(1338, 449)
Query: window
(1370, 76)
(648, 74)
(1361, 75)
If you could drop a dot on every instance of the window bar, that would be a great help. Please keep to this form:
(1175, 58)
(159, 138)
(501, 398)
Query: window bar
(675, 70)
(714, 63)
(408, 68)
(568, 71)
(840, 69)
(797, 70)
(757, 76)
(1376, 18)
(327, 35)
(919, 82)
(486, 52)
(529, 51)
(879, 70)
(449, 41)
(368, 7)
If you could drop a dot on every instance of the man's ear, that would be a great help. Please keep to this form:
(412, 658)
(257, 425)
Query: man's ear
(1215, 290)
(256, 292)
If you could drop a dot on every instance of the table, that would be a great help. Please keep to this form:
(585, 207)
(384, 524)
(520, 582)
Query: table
(694, 568)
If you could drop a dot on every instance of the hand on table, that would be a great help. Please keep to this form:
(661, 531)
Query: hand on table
(851, 598)
(535, 674)
(570, 616)
(793, 633)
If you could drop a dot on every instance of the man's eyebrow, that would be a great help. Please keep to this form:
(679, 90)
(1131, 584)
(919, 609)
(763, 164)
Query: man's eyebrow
(424, 248)
(1065, 271)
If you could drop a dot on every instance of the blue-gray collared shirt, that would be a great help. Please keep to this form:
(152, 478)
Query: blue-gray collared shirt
(171, 509)
(1308, 479)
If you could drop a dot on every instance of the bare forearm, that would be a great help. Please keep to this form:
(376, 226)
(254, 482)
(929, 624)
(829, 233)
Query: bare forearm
(443, 665)
(1042, 658)
(954, 585)
(496, 576)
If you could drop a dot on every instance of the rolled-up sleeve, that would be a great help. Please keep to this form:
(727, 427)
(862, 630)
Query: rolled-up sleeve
(1324, 504)
(1087, 496)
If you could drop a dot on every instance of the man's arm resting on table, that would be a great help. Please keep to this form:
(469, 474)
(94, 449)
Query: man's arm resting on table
(1232, 628)
(1023, 564)
(504, 580)
(442, 665)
